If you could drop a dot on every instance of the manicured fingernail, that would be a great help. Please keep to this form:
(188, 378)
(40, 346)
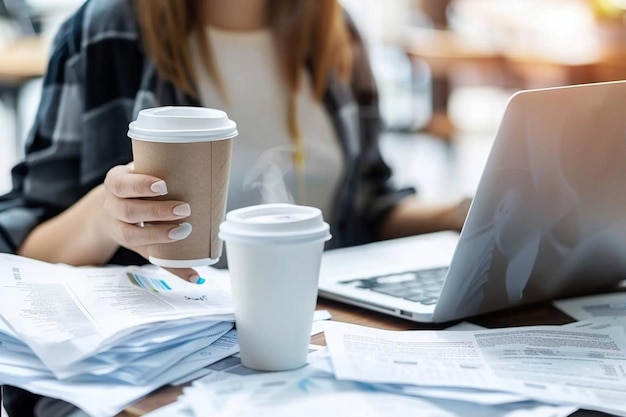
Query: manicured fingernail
(182, 231)
(182, 210)
(194, 279)
(159, 187)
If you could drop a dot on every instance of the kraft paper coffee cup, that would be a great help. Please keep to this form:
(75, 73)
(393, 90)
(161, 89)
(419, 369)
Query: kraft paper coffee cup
(274, 257)
(190, 149)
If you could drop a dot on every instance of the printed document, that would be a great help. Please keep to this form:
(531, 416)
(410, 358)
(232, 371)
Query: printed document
(65, 314)
(74, 333)
(583, 308)
(563, 365)
(87, 391)
(310, 392)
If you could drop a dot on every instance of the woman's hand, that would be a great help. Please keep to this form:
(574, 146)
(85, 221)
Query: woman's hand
(413, 217)
(90, 231)
(128, 215)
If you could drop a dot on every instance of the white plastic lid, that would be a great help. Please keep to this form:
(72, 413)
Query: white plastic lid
(182, 124)
(275, 224)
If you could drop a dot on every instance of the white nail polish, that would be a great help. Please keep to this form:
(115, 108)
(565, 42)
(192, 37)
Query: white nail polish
(182, 210)
(182, 231)
(159, 187)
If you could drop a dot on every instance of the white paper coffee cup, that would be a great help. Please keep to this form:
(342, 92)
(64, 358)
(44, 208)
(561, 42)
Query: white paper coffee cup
(190, 149)
(274, 256)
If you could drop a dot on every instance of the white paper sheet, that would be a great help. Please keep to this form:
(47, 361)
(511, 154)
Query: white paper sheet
(308, 392)
(66, 314)
(583, 308)
(585, 368)
(599, 323)
(87, 392)
(472, 395)
(76, 333)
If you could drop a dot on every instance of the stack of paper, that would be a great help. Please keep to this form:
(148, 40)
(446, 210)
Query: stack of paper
(314, 391)
(101, 338)
(549, 371)
(581, 364)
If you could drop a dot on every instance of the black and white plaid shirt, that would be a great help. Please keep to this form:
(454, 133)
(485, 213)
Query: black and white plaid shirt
(97, 81)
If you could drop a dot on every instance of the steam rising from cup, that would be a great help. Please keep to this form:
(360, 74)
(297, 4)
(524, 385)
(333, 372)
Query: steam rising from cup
(268, 175)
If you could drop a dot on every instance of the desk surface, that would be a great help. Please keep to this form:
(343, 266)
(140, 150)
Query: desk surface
(536, 314)
(447, 53)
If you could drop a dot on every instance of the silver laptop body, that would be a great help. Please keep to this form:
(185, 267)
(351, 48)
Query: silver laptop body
(548, 219)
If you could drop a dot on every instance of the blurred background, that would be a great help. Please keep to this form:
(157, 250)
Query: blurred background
(445, 70)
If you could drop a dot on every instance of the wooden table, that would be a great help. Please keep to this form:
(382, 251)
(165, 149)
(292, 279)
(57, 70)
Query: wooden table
(453, 57)
(536, 314)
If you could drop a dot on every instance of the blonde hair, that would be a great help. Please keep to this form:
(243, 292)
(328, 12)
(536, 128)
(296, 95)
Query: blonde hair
(307, 32)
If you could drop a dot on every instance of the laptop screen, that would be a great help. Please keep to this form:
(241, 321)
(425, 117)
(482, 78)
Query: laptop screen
(549, 216)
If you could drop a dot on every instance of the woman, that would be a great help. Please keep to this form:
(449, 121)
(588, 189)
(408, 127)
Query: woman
(294, 76)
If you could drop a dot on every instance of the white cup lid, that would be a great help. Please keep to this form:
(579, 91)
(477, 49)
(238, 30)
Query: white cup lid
(182, 124)
(274, 223)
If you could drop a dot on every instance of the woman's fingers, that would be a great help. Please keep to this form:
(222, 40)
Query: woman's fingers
(135, 222)
(122, 182)
(188, 274)
(135, 211)
(133, 235)
(125, 190)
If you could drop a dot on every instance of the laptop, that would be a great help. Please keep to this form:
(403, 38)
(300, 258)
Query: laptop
(548, 219)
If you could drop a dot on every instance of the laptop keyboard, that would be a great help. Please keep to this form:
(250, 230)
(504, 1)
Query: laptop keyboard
(423, 286)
